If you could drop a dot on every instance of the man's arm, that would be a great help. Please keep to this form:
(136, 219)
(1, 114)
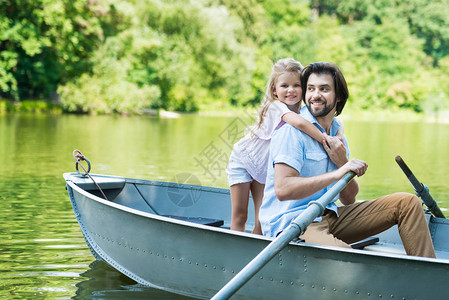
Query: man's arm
(288, 185)
(350, 191)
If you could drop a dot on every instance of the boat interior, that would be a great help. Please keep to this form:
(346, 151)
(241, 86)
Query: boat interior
(211, 206)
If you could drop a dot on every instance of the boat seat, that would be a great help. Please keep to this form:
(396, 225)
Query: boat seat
(366, 242)
(199, 220)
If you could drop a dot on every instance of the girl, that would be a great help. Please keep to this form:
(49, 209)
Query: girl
(247, 167)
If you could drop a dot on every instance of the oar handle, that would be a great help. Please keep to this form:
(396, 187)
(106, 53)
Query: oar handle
(403, 166)
(296, 228)
(421, 190)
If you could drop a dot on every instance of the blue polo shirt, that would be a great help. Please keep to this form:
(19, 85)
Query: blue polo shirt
(292, 147)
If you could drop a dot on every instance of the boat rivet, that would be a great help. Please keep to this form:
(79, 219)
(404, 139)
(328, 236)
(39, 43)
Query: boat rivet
(172, 257)
(346, 291)
(305, 270)
(324, 288)
(302, 284)
(271, 279)
(380, 296)
(334, 289)
(215, 267)
(291, 282)
(232, 271)
(313, 286)
(261, 277)
(281, 281)
(205, 265)
(197, 264)
(368, 294)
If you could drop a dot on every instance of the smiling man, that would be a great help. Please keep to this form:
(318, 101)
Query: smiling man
(301, 170)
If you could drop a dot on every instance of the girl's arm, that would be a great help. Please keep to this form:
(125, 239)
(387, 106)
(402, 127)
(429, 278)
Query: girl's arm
(341, 130)
(305, 126)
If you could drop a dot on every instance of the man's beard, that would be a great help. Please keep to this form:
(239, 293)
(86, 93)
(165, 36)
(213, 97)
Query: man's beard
(322, 112)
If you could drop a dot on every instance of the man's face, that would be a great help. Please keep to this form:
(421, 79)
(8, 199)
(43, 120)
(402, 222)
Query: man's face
(320, 95)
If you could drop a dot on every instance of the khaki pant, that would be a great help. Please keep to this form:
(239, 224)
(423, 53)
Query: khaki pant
(364, 219)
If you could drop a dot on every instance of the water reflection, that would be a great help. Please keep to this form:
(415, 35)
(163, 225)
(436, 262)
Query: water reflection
(104, 282)
(42, 251)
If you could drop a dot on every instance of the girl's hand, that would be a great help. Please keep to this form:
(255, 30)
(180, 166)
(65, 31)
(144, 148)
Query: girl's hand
(340, 134)
(341, 131)
(336, 150)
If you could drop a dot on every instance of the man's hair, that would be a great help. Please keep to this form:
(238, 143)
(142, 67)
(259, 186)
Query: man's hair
(341, 88)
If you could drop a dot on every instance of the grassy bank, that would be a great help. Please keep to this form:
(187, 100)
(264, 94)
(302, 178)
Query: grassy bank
(29, 106)
(350, 113)
(42, 106)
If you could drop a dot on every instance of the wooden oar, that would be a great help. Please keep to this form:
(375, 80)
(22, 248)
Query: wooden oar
(294, 230)
(421, 189)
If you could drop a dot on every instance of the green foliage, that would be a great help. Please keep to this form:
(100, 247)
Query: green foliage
(107, 89)
(3, 106)
(394, 47)
(117, 56)
(47, 42)
(29, 106)
(427, 19)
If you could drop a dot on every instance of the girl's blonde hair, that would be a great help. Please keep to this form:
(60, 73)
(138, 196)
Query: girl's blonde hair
(282, 66)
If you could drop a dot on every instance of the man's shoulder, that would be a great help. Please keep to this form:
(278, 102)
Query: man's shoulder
(287, 135)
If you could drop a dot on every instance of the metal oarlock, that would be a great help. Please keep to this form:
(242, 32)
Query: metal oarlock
(80, 157)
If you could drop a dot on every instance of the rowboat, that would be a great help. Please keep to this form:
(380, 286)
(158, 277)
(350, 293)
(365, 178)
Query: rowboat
(176, 237)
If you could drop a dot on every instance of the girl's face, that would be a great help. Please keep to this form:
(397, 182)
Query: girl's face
(288, 88)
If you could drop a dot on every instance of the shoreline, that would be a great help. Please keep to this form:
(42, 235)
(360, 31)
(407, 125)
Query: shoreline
(353, 115)
(48, 107)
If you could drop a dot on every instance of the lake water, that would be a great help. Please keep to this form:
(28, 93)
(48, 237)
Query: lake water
(42, 251)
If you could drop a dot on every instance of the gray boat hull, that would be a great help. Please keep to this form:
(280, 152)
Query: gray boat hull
(198, 260)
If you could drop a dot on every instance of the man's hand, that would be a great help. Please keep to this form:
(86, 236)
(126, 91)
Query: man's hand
(336, 150)
(355, 165)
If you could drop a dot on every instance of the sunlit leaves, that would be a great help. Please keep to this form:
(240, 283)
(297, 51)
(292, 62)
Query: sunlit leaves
(190, 54)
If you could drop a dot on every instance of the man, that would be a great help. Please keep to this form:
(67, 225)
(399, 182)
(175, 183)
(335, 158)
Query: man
(301, 170)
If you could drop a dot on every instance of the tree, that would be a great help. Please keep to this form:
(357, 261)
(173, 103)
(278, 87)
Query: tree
(47, 42)
(427, 19)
